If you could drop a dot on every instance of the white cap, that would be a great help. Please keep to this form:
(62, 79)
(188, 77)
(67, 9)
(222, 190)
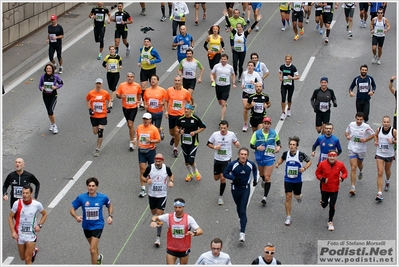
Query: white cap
(99, 80)
(147, 116)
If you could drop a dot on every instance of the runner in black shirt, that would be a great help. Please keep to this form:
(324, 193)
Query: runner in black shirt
(98, 15)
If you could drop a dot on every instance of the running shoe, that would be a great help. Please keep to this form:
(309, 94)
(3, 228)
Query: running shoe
(347, 27)
(282, 117)
(51, 127)
(256, 28)
(55, 129)
(36, 250)
(374, 60)
(163, 18)
(283, 28)
(302, 31)
(204, 16)
(112, 104)
(157, 241)
(360, 176)
(248, 21)
(330, 226)
(60, 70)
(213, 84)
(307, 21)
(361, 24)
(378, 61)
(189, 177)
(162, 133)
(175, 153)
(350, 34)
(142, 13)
(321, 32)
(197, 175)
(263, 201)
(242, 237)
(100, 56)
(196, 22)
(172, 141)
(364, 24)
(296, 38)
(289, 22)
(379, 197)
(386, 188)
(128, 50)
(245, 128)
(288, 221)
(326, 40)
(131, 146)
(143, 193)
(299, 200)
(317, 26)
(220, 201)
(100, 260)
(243, 14)
(288, 113)
(97, 152)
(352, 191)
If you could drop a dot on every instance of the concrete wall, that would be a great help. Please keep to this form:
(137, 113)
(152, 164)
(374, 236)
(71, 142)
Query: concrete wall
(20, 19)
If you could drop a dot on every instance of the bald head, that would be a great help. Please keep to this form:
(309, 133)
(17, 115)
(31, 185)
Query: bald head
(19, 164)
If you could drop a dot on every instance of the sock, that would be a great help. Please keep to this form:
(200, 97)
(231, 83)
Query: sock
(98, 256)
(127, 45)
(222, 188)
(283, 21)
(328, 33)
(264, 198)
(189, 169)
(387, 181)
(159, 229)
(267, 189)
(194, 168)
(143, 187)
(163, 10)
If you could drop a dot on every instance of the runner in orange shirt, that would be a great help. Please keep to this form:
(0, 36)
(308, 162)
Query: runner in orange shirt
(147, 135)
(98, 101)
(154, 102)
(129, 92)
(176, 98)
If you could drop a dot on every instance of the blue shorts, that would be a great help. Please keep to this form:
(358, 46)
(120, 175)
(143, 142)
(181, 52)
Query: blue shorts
(147, 157)
(256, 5)
(266, 162)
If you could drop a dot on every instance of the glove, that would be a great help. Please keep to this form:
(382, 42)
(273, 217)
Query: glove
(323, 180)
(91, 112)
(108, 110)
(237, 180)
(171, 18)
(335, 105)
(254, 182)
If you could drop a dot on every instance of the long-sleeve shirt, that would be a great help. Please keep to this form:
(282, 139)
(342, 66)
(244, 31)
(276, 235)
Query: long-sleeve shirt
(364, 86)
(332, 172)
(17, 181)
(237, 169)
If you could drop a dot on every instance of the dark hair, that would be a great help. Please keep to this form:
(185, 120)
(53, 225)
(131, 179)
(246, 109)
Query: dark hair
(190, 50)
(251, 61)
(224, 122)
(294, 138)
(217, 240)
(211, 29)
(120, 3)
(359, 114)
(179, 199)
(147, 38)
(243, 148)
(28, 187)
(364, 66)
(224, 55)
(328, 124)
(52, 67)
(154, 75)
(92, 179)
(254, 54)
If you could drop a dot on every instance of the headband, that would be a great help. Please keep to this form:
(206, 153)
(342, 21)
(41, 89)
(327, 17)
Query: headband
(178, 204)
(159, 158)
(332, 154)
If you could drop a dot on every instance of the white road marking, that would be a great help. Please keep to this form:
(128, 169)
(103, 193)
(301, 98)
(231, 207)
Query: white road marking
(69, 185)
(307, 68)
(8, 260)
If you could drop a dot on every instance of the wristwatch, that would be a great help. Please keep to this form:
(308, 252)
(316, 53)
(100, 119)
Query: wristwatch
(195, 232)
(40, 225)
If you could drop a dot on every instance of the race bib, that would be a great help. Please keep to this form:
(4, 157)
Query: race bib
(143, 138)
(384, 146)
(177, 231)
(26, 227)
(215, 48)
(99, 17)
(323, 106)
(92, 213)
(177, 105)
(131, 99)
(183, 49)
(269, 151)
(52, 35)
(363, 87)
(222, 152)
(286, 81)
(187, 139)
(258, 107)
(323, 156)
(356, 139)
(153, 103)
(112, 67)
(48, 87)
(292, 172)
(157, 187)
(118, 19)
(17, 191)
(98, 107)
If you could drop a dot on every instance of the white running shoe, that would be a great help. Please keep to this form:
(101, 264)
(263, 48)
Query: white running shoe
(330, 226)
(374, 60)
(378, 61)
(220, 200)
(288, 113)
(131, 146)
(287, 220)
(128, 51)
(283, 28)
(55, 129)
(157, 241)
(245, 128)
(51, 128)
(282, 116)
(242, 237)
(97, 152)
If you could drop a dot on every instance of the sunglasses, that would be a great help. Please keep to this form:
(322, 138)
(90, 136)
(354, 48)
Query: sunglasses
(269, 252)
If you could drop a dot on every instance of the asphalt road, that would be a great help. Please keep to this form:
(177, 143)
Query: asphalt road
(57, 159)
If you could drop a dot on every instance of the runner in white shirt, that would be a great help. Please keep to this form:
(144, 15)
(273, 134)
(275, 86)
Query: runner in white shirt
(358, 133)
(215, 256)
(25, 228)
(260, 67)
(249, 79)
(220, 142)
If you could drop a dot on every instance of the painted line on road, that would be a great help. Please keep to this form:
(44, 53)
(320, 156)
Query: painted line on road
(8, 260)
(69, 185)
(121, 123)
(307, 68)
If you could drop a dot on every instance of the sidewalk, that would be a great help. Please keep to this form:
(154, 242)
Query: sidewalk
(31, 50)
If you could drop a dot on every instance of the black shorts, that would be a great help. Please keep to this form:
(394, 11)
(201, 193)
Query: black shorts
(284, 91)
(297, 16)
(147, 157)
(118, 34)
(93, 233)
(189, 152)
(285, 11)
(197, 3)
(130, 113)
(145, 75)
(219, 166)
(172, 121)
(99, 34)
(178, 254)
(244, 95)
(229, 5)
(322, 118)
(386, 159)
(318, 13)
(295, 187)
(327, 18)
(98, 121)
(349, 12)
(378, 41)
(157, 203)
(189, 83)
(364, 6)
(222, 92)
(255, 121)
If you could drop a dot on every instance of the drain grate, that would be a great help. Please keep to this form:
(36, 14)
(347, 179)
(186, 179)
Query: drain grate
(73, 16)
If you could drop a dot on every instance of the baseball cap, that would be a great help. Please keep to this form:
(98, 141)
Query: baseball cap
(324, 79)
(147, 116)
(267, 119)
(99, 80)
(53, 17)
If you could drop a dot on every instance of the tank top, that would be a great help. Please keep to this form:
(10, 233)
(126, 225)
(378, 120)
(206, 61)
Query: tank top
(379, 27)
(384, 148)
(177, 240)
(214, 44)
